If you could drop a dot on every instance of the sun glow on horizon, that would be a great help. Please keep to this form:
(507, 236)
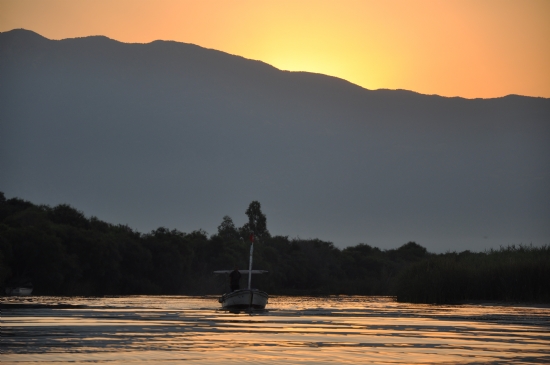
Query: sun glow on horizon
(465, 48)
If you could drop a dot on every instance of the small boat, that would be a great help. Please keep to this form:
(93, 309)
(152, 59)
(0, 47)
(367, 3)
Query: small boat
(244, 298)
(19, 291)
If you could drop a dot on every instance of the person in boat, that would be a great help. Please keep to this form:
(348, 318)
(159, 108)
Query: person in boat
(235, 279)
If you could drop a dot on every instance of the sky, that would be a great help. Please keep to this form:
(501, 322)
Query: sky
(466, 48)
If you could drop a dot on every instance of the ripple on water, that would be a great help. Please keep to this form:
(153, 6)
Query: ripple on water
(294, 330)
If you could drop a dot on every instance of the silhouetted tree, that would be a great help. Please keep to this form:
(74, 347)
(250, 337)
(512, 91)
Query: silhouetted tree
(227, 230)
(65, 214)
(257, 222)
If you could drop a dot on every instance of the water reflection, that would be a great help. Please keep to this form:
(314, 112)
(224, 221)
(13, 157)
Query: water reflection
(293, 330)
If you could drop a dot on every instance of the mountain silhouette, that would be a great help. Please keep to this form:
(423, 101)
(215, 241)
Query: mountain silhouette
(176, 135)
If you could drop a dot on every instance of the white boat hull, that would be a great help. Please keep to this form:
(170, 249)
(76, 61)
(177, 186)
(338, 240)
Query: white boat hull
(244, 299)
(19, 291)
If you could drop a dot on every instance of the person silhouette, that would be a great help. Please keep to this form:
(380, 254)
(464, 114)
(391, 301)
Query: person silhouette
(234, 279)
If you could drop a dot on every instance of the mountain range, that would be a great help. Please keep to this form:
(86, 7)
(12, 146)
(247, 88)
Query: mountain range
(175, 135)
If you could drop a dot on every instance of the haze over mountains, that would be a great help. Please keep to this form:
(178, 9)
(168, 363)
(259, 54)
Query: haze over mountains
(175, 135)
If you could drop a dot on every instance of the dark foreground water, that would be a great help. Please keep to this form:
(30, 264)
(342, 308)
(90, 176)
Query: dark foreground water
(294, 330)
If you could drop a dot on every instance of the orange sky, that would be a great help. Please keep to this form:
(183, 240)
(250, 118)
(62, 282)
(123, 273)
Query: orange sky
(468, 48)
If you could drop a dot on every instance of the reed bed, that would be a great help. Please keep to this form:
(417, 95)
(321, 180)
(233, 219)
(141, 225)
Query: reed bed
(514, 273)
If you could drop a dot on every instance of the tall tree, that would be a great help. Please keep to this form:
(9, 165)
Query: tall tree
(227, 230)
(257, 222)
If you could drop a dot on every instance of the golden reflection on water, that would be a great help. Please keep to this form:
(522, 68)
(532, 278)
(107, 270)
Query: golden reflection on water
(294, 330)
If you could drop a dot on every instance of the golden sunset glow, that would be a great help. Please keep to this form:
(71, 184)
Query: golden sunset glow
(479, 48)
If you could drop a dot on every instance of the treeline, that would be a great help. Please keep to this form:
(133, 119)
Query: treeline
(515, 273)
(62, 252)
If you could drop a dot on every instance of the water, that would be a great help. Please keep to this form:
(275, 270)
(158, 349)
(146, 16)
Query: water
(294, 330)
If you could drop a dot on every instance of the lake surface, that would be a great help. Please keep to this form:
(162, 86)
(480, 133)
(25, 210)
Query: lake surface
(294, 330)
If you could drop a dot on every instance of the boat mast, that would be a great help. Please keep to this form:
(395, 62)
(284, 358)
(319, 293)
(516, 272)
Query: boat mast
(250, 262)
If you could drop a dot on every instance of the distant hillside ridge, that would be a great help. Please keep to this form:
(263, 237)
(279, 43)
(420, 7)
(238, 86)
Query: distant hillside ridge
(172, 133)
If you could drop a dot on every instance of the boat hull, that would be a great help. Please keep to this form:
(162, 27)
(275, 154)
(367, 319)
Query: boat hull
(244, 299)
(19, 291)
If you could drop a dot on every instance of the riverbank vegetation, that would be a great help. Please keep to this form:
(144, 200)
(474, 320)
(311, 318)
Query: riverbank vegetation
(63, 252)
